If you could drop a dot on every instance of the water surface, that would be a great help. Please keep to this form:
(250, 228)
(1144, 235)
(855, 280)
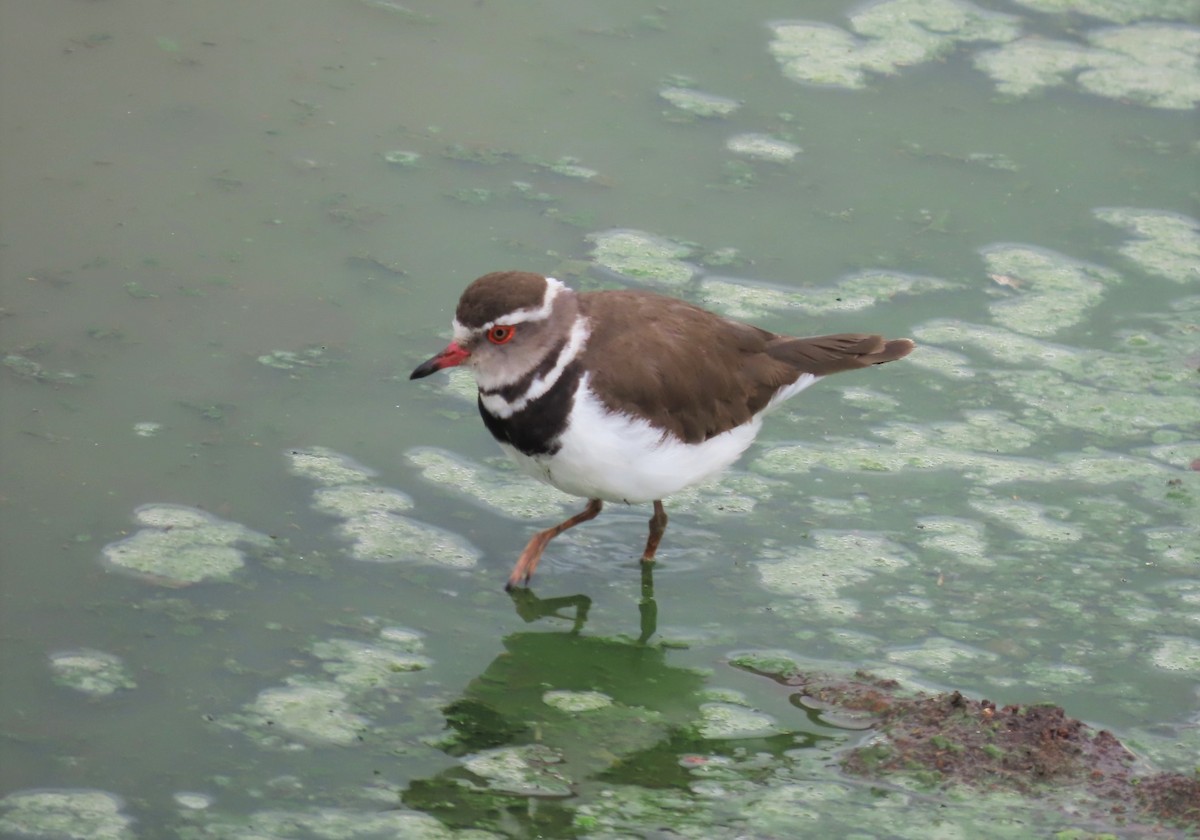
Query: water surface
(230, 230)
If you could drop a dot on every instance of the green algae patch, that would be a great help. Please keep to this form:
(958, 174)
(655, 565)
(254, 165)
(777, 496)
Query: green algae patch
(315, 713)
(91, 672)
(180, 546)
(942, 657)
(643, 256)
(1166, 244)
(768, 663)
(886, 37)
(147, 428)
(913, 449)
(1144, 385)
(1177, 654)
(1058, 401)
(490, 487)
(460, 383)
(962, 540)
(402, 158)
(1030, 519)
(65, 815)
(191, 801)
(26, 368)
(372, 516)
(1176, 548)
(1048, 291)
(812, 578)
(697, 103)
(1023, 68)
(569, 167)
(345, 823)
(823, 54)
(734, 721)
(573, 702)
(528, 770)
(379, 537)
(1152, 64)
(327, 467)
(981, 431)
(359, 680)
(1117, 11)
(313, 356)
(983, 160)
(734, 493)
(363, 666)
(747, 300)
(943, 362)
(764, 147)
(353, 500)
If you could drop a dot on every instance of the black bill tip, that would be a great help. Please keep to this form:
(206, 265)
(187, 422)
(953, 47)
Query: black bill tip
(426, 367)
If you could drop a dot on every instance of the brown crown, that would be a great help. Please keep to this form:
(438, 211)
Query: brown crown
(497, 294)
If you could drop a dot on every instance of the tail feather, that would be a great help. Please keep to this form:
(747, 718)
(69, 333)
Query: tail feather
(826, 354)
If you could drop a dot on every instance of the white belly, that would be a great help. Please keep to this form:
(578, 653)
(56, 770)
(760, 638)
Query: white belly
(621, 458)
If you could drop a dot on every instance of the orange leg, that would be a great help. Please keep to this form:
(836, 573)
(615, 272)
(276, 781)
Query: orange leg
(529, 558)
(658, 524)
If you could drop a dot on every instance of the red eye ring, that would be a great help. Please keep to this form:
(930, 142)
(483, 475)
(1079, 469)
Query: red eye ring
(501, 334)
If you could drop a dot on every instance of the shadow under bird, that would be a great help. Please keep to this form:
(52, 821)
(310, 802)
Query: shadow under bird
(627, 396)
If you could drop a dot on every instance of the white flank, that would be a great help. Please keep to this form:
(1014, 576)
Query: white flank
(621, 458)
(500, 407)
(802, 382)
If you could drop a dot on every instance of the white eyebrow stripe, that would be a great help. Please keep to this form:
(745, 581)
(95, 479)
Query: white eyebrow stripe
(520, 316)
(461, 333)
(541, 313)
(500, 407)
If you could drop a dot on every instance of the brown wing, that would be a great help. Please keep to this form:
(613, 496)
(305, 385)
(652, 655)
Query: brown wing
(698, 374)
(694, 373)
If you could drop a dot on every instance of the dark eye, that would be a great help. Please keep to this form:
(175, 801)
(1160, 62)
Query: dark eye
(501, 334)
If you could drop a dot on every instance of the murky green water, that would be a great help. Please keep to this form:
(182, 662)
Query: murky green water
(252, 575)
